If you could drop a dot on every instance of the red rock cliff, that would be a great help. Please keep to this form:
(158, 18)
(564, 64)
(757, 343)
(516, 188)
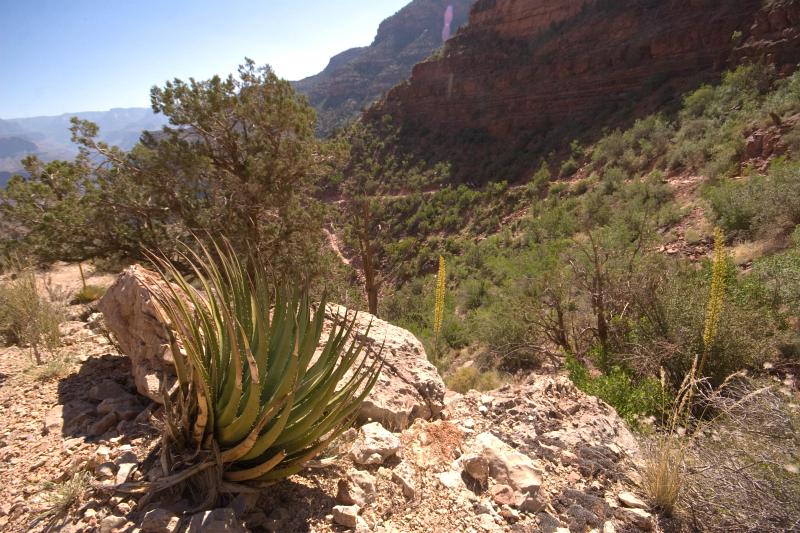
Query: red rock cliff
(524, 75)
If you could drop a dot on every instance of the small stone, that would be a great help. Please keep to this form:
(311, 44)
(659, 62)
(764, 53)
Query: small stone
(374, 445)
(124, 473)
(482, 507)
(629, 500)
(451, 480)
(476, 467)
(103, 425)
(54, 420)
(346, 515)
(102, 454)
(403, 475)
(365, 481)
(637, 517)
(506, 465)
(160, 521)
(106, 389)
(126, 407)
(509, 514)
(486, 523)
(608, 527)
(112, 523)
(548, 523)
(503, 495)
(217, 521)
(529, 503)
(105, 470)
(348, 493)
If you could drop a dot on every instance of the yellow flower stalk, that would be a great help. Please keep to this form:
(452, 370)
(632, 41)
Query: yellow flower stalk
(440, 288)
(716, 298)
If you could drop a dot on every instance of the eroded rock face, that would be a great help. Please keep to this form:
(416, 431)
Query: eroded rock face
(525, 71)
(408, 388)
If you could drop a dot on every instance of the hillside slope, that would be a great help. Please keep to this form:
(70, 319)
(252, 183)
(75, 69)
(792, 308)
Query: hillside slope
(526, 75)
(358, 77)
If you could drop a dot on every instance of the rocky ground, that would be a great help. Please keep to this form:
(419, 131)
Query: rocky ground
(537, 456)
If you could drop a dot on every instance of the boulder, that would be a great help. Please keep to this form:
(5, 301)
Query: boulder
(137, 323)
(346, 516)
(408, 388)
(374, 445)
(506, 465)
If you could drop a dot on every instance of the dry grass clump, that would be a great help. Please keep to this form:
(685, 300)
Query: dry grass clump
(54, 369)
(28, 316)
(742, 466)
(470, 378)
(663, 474)
(59, 498)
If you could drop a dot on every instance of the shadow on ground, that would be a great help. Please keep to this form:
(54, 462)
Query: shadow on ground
(3, 378)
(294, 505)
(101, 400)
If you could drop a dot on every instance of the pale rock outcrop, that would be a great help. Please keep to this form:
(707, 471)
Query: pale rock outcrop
(374, 445)
(133, 316)
(506, 465)
(408, 388)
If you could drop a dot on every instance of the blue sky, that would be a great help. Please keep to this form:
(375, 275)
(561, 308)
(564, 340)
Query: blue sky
(60, 56)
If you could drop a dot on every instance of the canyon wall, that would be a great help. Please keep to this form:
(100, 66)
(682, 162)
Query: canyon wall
(526, 75)
(358, 77)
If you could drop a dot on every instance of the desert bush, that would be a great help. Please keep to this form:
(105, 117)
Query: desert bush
(470, 378)
(88, 294)
(759, 205)
(631, 398)
(743, 464)
(736, 203)
(670, 330)
(274, 407)
(29, 317)
(569, 167)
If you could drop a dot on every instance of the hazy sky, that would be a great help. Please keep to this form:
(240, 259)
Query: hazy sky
(60, 56)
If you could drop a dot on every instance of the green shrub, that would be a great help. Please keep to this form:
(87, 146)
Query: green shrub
(569, 167)
(736, 203)
(759, 205)
(630, 398)
(470, 378)
(88, 294)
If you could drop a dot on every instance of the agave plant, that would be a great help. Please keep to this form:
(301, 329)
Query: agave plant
(253, 401)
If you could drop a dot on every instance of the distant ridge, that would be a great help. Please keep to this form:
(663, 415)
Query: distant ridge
(358, 77)
(48, 137)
